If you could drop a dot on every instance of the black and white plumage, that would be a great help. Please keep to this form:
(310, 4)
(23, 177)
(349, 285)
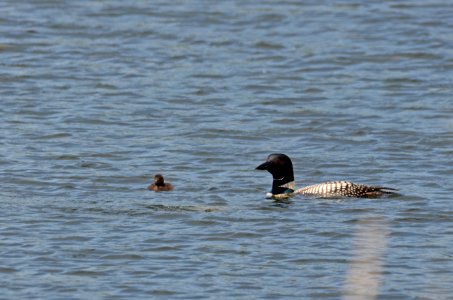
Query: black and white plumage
(281, 168)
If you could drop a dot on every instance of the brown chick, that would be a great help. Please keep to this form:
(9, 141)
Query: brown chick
(159, 185)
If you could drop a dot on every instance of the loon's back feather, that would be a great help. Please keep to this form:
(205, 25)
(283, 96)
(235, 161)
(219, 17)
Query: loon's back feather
(344, 189)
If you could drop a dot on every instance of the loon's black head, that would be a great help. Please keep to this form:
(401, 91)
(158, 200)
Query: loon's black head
(281, 168)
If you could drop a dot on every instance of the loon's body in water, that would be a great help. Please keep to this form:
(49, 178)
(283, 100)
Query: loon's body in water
(281, 168)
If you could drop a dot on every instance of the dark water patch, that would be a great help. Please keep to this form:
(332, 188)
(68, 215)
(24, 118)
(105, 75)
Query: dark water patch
(188, 208)
(129, 257)
(7, 270)
(268, 45)
(54, 136)
(163, 248)
(87, 273)
(209, 76)
(162, 292)
(67, 157)
(72, 238)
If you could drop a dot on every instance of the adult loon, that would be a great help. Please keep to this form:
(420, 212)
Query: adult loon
(159, 185)
(283, 186)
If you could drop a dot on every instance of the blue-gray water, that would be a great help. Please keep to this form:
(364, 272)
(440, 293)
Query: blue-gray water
(98, 96)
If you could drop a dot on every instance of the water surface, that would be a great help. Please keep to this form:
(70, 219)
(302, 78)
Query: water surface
(96, 97)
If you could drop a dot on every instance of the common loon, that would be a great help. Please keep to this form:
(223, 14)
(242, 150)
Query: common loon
(159, 185)
(283, 186)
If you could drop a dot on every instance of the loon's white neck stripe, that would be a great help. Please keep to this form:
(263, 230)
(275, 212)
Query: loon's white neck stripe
(289, 185)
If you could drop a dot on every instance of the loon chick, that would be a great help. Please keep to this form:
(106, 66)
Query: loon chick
(281, 168)
(159, 185)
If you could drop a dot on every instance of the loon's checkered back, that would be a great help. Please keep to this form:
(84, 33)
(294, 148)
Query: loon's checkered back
(343, 189)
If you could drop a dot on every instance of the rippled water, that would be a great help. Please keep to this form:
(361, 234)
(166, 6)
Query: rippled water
(97, 96)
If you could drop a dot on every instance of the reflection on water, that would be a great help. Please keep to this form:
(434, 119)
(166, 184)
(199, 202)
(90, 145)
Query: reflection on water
(365, 271)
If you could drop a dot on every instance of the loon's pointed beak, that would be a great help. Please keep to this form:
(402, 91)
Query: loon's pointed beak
(263, 166)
